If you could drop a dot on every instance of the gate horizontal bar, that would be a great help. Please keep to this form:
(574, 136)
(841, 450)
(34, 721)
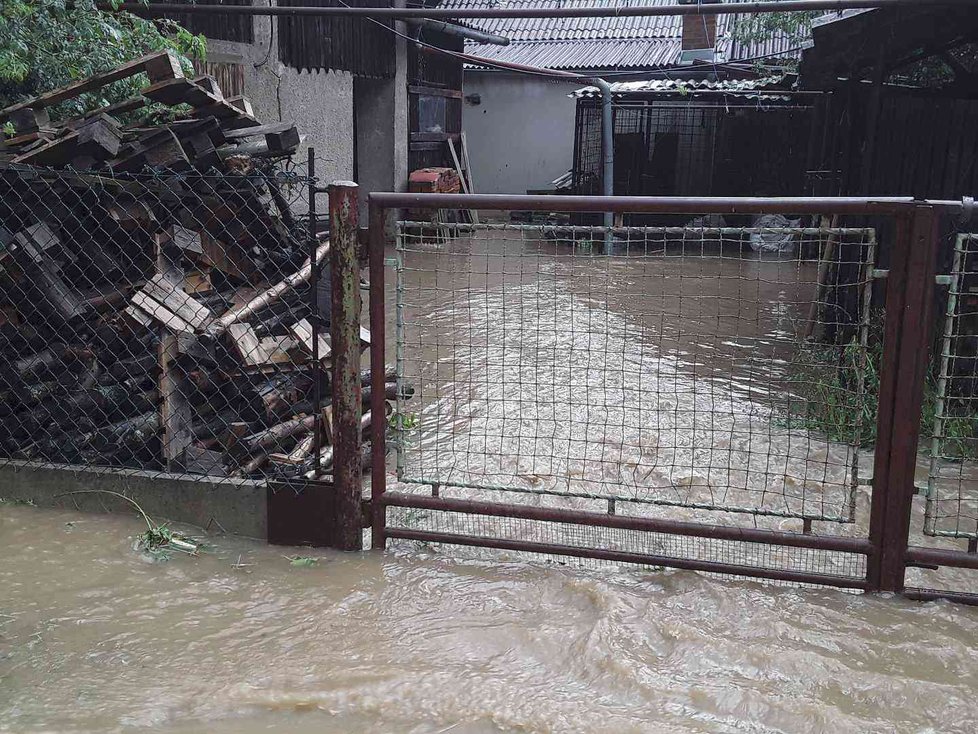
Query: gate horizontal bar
(958, 597)
(687, 564)
(940, 557)
(654, 204)
(625, 522)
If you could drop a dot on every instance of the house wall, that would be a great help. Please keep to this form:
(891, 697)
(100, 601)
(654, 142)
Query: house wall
(521, 134)
(321, 103)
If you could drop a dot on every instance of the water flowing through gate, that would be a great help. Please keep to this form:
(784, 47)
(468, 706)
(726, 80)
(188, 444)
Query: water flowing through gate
(702, 396)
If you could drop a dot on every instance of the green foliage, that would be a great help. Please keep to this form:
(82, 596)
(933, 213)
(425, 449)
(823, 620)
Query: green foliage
(45, 44)
(403, 421)
(302, 561)
(765, 26)
(831, 403)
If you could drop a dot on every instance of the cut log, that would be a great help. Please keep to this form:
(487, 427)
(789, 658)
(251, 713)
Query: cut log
(272, 437)
(302, 331)
(242, 313)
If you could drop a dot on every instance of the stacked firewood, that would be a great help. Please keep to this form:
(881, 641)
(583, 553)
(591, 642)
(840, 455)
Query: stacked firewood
(156, 301)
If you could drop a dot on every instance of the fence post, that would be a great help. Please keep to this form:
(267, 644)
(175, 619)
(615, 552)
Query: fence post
(906, 353)
(378, 468)
(345, 333)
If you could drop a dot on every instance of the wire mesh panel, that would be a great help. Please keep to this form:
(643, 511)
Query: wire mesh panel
(952, 483)
(162, 321)
(711, 368)
(836, 565)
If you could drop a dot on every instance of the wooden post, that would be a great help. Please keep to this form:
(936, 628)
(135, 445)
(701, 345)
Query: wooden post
(909, 310)
(345, 331)
(175, 415)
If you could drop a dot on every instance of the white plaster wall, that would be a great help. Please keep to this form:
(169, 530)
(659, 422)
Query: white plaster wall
(320, 103)
(521, 135)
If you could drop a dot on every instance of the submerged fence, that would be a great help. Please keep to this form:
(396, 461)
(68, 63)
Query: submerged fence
(740, 400)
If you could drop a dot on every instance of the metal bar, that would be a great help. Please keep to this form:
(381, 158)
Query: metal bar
(378, 359)
(317, 317)
(626, 557)
(916, 555)
(625, 522)
(905, 358)
(930, 521)
(650, 204)
(345, 331)
(715, 8)
(958, 597)
(459, 31)
(632, 500)
(895, 307)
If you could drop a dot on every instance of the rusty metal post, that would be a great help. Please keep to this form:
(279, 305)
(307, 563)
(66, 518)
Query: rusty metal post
(378, 463)
(345, 332)
(906, 352)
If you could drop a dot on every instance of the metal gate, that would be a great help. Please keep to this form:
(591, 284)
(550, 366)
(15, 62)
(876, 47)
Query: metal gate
(706, 396)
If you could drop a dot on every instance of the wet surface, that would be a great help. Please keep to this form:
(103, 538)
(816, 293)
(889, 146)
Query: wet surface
(96, 638)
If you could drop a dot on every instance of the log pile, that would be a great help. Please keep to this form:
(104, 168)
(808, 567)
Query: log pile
(155, 302)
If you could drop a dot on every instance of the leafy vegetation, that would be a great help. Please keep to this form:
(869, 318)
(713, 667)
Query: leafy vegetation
(45, 44)
(831, 403)
(302, 561)
(159, 540)
(765, 26)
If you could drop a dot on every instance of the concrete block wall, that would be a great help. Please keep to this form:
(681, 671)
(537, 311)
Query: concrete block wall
(320, 103)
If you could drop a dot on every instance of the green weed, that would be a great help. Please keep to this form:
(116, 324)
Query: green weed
(832, 402)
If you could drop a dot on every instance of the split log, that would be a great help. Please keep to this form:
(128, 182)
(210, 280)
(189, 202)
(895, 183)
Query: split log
(242, 313)
(272, 437)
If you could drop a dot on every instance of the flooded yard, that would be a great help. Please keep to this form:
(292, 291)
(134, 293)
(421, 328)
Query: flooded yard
(96, 638)
(571, 381)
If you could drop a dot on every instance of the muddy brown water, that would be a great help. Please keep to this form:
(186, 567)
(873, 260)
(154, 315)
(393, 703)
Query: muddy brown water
(96, 637)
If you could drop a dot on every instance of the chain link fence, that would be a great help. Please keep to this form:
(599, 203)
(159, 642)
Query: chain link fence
(165, 322)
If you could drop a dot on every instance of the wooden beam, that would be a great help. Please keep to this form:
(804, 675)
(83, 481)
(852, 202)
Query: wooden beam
(158, 66)
(435, 91)
(175, 409)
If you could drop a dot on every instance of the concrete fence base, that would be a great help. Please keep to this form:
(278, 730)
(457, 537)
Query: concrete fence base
(238, 507)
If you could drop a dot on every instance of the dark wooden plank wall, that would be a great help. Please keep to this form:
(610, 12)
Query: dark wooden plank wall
(925, 144)
(358, 45)
(238, 28)
(433, 73)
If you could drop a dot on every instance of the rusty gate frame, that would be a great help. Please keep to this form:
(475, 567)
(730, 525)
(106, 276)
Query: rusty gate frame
(908, 326)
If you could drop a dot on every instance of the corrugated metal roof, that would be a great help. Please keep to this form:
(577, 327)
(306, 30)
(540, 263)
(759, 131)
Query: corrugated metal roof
(601, 43)
(570, 29)
(600, 54)
(739, 86)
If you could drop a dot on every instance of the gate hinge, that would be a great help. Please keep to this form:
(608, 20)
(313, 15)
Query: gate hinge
(921, 490)
(944, 279)
(880, 273)
(390, 262)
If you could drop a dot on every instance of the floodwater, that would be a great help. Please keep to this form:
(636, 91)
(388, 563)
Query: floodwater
(96, 638)
(655, 378)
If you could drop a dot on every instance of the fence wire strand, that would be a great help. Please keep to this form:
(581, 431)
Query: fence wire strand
(715, 368)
